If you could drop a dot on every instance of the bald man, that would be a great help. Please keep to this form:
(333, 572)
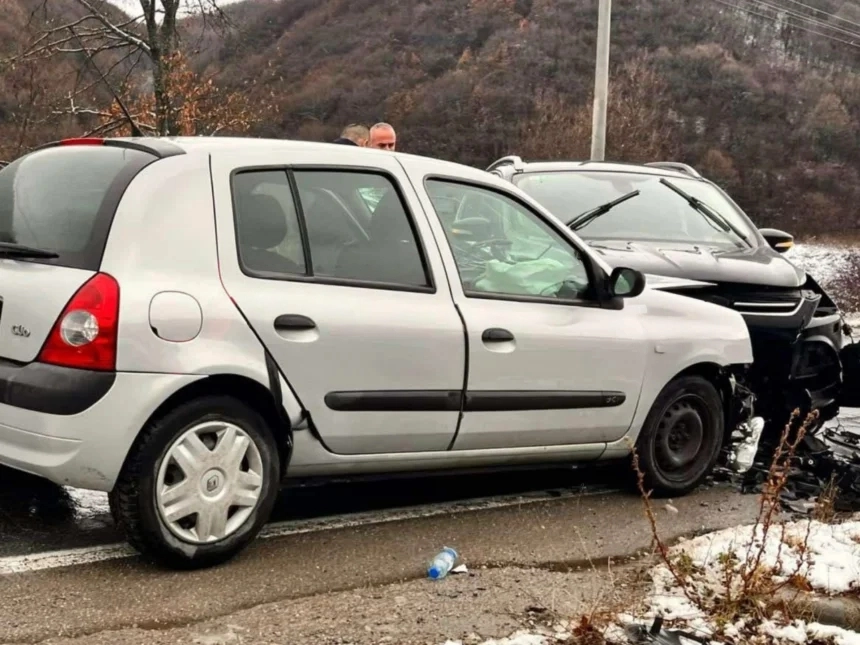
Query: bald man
(383, 137)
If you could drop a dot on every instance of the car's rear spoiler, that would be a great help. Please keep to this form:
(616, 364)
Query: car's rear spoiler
(160, 148)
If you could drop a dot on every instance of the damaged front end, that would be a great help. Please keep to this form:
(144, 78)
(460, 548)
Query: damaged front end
(797, 340)
(746, 428)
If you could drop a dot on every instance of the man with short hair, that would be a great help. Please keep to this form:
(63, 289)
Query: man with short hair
(354, 134)
(383, 137)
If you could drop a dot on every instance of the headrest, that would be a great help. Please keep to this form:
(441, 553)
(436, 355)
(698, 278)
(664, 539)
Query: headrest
(263, 223)
(390, 221)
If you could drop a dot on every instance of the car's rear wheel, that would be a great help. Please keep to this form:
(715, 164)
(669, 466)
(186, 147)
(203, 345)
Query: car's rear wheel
(199, 484)
(682, 436)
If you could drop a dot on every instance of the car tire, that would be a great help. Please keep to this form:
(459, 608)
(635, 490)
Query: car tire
(154, 490)
(681, 439)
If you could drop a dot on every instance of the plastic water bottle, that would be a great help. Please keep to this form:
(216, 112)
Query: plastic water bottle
(442, 564)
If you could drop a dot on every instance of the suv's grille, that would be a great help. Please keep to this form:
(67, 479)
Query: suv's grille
(783, 306)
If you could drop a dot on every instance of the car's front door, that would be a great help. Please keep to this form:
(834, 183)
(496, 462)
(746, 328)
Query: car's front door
(547, 365)
(357, 314)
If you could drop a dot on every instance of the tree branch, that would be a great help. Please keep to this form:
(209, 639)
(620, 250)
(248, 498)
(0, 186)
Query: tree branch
(122, 33)
(135, 131)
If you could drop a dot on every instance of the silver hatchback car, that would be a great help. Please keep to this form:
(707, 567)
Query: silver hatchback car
(187, 322)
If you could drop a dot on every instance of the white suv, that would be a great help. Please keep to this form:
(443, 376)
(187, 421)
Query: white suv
(187, 322)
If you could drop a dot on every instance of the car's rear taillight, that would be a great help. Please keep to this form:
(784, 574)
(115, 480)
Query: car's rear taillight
(84, 335)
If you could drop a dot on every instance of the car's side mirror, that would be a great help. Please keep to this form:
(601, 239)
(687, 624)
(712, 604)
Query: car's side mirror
(626, 283)
(779, 241)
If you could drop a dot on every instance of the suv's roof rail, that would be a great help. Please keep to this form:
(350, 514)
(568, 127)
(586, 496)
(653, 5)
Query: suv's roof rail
(513, 160)
(153, 145)
(674, 165)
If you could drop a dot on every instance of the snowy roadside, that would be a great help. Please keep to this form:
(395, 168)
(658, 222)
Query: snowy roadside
(800, 557)
(836, 268)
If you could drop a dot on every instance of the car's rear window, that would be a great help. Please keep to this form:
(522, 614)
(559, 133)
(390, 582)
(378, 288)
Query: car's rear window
(63, 200)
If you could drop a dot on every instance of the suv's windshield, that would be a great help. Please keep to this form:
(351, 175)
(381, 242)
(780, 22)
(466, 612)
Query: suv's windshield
(657, 214)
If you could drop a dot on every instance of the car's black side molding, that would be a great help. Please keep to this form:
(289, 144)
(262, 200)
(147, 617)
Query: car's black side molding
(395, 401)
(518, 400)
(475, 401)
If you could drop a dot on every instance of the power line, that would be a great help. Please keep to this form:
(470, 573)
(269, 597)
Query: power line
(826, 13)
(808, 19)
(771, 19)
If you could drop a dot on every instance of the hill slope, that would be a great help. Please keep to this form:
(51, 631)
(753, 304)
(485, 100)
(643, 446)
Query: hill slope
(760, 104)
(769, 109)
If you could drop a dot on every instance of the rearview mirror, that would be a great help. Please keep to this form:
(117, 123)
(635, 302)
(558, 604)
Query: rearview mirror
(472, 228)
(626, 283)
(779, 241)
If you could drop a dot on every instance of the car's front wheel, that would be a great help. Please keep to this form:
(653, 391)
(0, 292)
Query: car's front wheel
(199, 484)
(682, 436)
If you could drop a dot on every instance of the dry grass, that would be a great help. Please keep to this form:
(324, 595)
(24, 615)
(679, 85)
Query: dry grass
(747, 586)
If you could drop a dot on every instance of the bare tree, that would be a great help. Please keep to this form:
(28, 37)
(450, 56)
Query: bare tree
(114, 42)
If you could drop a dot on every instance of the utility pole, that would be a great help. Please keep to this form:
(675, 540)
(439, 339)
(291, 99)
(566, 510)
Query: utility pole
(601, 82)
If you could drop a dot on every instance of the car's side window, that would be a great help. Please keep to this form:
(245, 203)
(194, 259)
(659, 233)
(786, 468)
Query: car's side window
(310, 227)
(268, 234)
(502, 248)
(384, 250)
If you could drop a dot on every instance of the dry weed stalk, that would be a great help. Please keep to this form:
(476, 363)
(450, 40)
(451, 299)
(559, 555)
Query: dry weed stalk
(747, 587)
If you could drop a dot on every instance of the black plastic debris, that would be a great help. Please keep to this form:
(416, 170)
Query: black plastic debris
(828, 457)
(656, 635)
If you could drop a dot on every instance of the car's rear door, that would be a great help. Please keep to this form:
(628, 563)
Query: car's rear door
(358, 316)
(547, 365)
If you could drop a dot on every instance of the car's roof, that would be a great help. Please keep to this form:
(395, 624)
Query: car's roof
(223, 145)
(597, 166)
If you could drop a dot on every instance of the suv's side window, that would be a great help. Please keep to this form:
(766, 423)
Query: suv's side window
(503, 248)
(317, 229)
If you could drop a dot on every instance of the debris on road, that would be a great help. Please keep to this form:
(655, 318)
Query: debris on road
(826, 462)
(442, 564)
(743, 454)
(639, 634)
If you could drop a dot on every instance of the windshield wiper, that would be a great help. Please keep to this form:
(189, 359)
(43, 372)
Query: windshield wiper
(584, 218)
(713, 216)
(10, 250)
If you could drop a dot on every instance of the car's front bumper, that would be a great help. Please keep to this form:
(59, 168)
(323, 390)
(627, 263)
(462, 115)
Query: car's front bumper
(75, 427)
(797, 360)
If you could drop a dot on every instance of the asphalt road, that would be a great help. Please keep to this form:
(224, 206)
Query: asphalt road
(324, 540)
(38, 516)
(553, 534)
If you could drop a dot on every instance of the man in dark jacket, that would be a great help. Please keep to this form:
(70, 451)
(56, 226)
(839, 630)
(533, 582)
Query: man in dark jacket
(354, 135)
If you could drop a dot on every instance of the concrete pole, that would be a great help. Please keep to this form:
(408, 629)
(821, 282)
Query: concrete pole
(601, 82)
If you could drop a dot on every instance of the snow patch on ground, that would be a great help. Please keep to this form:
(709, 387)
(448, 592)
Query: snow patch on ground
(520, 638)
(824, 262)
(88, 503)
(831, 565)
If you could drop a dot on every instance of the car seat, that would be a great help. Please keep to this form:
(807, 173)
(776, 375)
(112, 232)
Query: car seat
(391, 254)
(262, 226)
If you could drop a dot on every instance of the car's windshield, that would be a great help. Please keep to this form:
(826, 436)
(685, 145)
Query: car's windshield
(657, 214)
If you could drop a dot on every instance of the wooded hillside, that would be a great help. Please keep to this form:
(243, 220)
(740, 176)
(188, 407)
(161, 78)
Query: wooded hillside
(741, 89)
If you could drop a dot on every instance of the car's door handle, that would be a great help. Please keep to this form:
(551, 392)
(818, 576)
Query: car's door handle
(496, 335)
(294, 322)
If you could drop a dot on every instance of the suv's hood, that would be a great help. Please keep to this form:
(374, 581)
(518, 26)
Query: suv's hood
(750, 266)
